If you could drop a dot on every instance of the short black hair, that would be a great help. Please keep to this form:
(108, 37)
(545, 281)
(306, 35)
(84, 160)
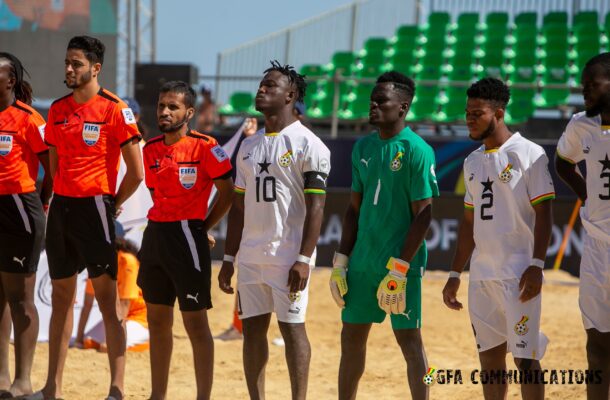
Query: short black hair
(402, 83)
(93, 48)
(190, 97)
(603, 60)
(490, 89)
(293, 77)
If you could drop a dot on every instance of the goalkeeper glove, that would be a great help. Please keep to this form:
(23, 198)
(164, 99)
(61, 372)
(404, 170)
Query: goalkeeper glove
(391, 294)
(338, 283)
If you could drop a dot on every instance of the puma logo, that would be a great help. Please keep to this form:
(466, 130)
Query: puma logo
(471, 177)
(322, 179)
(19, 261)
(408, 314)
(586, 150)
(365, 162)
(190, 296)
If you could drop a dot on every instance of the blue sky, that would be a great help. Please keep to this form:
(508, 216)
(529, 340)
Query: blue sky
(194, 31)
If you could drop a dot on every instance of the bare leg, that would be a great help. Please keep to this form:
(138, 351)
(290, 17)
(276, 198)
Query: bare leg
(598, 356)
(107, 300)
(530, 389)
(19, 290)
(494, 360)
(160, 323)
(60, 330)
(198, 329)
(256, 354)
(413, 351)
(298, 357)
(353, 358)
(5, 339)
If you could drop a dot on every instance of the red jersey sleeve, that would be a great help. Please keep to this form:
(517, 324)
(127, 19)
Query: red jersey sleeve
(216, 161)
(49, 130)
(150, 164)
(35, 132)
(125, 126)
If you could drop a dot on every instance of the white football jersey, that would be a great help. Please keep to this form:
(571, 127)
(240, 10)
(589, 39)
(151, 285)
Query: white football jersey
(585, 139)
(271, 171)
(502, 186)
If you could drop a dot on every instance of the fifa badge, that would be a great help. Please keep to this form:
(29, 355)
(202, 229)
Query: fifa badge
(506, 175)
(521, 327)
(187, 176)
(396, 163)
(91, 133)
(285, 159)
(6, 144)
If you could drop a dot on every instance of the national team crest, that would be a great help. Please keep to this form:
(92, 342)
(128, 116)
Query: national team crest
(521, 327)
(187, 176)
(294, 297)
(285, 159)
(6, 144)
(91, 133)
(396, 163)
(506, 175)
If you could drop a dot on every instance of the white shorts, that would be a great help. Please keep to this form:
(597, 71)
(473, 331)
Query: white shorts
(262, 289)
(136, 334)
(594, 293)
(498, 316)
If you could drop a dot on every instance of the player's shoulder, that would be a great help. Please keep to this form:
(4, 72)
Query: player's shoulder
(524, 148)
(474, 157)
(414, 142)
(580, 123)
(299, 131)
(105, 95)
(154, 142)
(202, 138)
(365, 141)
(60, 102)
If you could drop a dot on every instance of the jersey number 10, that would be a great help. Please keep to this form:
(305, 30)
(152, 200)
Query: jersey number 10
(267, 186)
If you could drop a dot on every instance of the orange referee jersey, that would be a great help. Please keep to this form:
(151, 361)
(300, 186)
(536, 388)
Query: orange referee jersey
(128, 289)
(88, 138)
(21, 140)
(180, 176)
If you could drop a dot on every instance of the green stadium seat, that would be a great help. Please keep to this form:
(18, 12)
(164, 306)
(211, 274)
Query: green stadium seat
(424, 104)
(586, 18)
(493, 60)
(405, 39)
(342, 60)
(524, 66)
(375, 45)
(521, 105)
(312, 70)
(402, 61)
(358, 108)
(468, 20)
(584, 34)
(327, 90)
(322, 109)
(453, 106)
(430, 66)
(555, 35)
(438, 19)
(607, 23)
(555, 17)
(526, 18)
(553, 97)
(239, 103)
(496, 19)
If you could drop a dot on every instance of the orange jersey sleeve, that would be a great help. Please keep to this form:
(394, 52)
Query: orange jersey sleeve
(127, 276)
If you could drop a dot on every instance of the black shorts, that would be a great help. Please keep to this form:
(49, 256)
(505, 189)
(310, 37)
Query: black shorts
(80, 233)
(175, 262)
(22, 223)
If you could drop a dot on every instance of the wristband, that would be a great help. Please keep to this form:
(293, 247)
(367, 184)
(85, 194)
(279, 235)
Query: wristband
(536, 262)
(454, 274)
(340, 260)
(228, 258)
(303, 259)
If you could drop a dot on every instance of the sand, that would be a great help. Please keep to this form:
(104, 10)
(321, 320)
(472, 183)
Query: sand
(447, 336)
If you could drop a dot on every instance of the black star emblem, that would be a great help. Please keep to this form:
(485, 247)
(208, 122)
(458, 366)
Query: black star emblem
(264, 166)
(605, 163)
(487, 185)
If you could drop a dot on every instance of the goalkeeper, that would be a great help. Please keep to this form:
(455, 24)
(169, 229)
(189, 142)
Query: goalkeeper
(382, 255)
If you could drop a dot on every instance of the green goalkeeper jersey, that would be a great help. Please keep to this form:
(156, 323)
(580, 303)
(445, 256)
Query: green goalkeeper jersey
(390, 174)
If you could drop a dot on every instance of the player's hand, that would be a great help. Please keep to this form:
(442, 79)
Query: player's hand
(250, 126)
(450, 294)
(338, 281)
(211, 241)
(391, 293)
(224, 277)
(531, 283)
(298, 276)
(118, 212)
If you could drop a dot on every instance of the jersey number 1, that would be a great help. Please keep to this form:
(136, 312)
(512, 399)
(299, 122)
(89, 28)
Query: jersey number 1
(267, 187)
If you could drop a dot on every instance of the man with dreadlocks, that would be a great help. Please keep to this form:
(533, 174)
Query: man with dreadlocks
(22, 221)
(275, 223)
(587, 138)
(382, 254)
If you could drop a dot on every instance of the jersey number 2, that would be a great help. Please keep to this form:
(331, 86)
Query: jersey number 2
(487, 205)
(267, 186)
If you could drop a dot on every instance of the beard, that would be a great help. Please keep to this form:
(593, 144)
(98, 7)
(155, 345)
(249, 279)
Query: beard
(174, 127)
(486, 133)
(80, 81)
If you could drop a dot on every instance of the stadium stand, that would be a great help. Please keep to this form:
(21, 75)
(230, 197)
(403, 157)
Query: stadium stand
(541, 63)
